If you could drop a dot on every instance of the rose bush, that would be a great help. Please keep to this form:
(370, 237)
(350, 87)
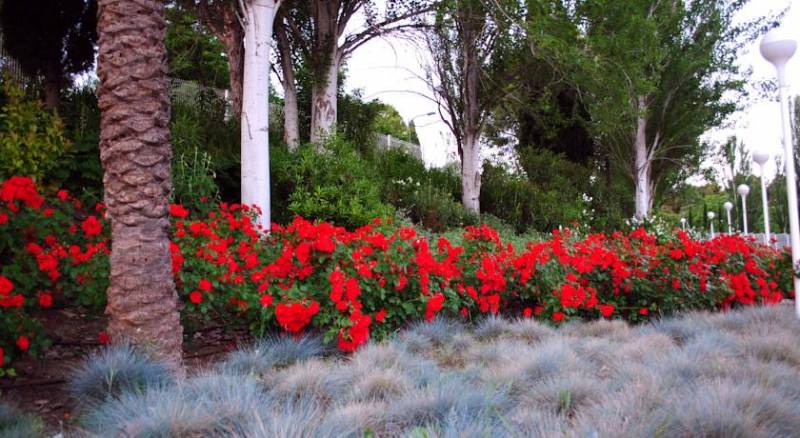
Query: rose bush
(368, 282)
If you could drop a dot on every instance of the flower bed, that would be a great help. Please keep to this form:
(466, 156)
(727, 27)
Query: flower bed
(353, 285)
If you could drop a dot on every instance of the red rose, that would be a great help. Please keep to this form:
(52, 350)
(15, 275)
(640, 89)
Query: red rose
(606, 310)
(195, 297)
(527, 312)
(103, 338)
(644, 311)
(380, 315)
(23, 343)
(204, 285)
(6, 286)
(558, 316)
(177, 210)
(265, 300)
(294, 316)
(62, 195)
(45, 300)
(3, 218)
(433, 305)
(91, 226)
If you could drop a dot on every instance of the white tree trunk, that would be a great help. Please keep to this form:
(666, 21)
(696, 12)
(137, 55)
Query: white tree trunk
(471, 174)
(323, 103)
(642, 183)
(259, 16)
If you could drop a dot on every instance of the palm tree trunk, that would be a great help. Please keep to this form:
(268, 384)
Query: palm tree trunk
(135, 152)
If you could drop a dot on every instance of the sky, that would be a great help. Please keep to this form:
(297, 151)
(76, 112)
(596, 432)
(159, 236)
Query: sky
(389, 69)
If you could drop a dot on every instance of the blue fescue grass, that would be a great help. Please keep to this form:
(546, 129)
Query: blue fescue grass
(15, 423)
(114, 371)
(273, 352)
(212, 405)
(733, 374)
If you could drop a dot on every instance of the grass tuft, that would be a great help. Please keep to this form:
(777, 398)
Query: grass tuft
(117, 370)
(15, 423)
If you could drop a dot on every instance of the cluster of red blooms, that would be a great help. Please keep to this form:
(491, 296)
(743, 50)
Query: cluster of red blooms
(365, 283)
(47, 254)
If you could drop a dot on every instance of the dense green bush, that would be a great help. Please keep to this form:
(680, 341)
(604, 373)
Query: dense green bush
(31, 138)
(336, 184)
(548, 192)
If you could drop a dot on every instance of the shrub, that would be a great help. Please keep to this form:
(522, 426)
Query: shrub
(31, 138)
(116, 371)
(335, 184)
(368, 282)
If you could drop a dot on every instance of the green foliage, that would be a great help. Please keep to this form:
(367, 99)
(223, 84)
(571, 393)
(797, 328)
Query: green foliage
(79, 170)
(194, 53)
(205, 149)
(549, 193)
(391, 123)
(335, 184)
(31, 138)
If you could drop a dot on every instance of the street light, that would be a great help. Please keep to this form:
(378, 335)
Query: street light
(683, 223)
(743, 190)
(411, 122)
(728, 205)
(777, 47)
(761, 158)
(711, 217)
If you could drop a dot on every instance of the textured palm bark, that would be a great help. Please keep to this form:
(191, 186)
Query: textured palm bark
(135, 152)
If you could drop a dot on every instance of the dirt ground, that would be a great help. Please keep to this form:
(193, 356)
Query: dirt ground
(39, 386)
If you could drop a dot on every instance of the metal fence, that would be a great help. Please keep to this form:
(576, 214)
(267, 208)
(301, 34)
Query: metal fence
(386, 141)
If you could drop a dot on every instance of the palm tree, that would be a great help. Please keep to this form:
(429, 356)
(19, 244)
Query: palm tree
(135, 152)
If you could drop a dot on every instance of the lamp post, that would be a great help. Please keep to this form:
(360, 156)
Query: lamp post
(728, 205)
(777, 47)
(761, 158)
(743, 190)
(683, 223)
(711, 215)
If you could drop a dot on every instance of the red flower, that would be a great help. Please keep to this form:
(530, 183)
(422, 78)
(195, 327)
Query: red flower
(265, 300)
(20, 188)
(195, 297)
(177, 210)
(407, 233)
(558, 316)
(350, 338)
(3, 218)
(62, 195)
(294, 316)
(6, 286)
(606, 310)
(204, 285)
(23, 343)
(45, 300)
(324, 244)
(380, 315)
(1, 358)
(103, 338)
(351, 289)
(433, 305)
(676, 254)
(527, 312)
(91, 226)
(644, 311)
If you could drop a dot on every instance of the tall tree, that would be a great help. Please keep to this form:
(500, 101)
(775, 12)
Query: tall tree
(135, 152)
(658, 76)
(468, 75)
(257, 19)
(221, 17)
(50, 38)
(323, 35)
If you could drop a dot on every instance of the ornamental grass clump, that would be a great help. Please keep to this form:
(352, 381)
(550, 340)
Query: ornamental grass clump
(112, 372)
(15, 423)
(730, 379)
(270, 353)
